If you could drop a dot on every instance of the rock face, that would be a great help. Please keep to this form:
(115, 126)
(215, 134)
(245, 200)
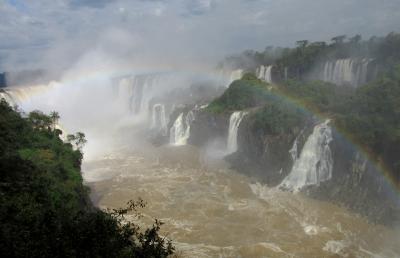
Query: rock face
(358, 184)
(208, 126)
(353, 180)
(265, 156)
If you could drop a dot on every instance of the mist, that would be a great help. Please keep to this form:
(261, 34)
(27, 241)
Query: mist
(243, 142)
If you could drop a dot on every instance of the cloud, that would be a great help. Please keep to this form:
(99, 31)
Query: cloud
(89, 3)
(199, 7)
(56, 34)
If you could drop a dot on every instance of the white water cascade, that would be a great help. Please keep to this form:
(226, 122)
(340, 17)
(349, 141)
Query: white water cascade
(180, 130)
(346, 71)
(294, 150)
(234, 123)
(141, 95)
(7, 97)
(264, 73)
(19, 95)
(236, 75)
(158, 118)
(135, 92)
(314, 164)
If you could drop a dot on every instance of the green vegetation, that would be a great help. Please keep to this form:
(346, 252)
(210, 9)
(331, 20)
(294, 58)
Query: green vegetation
(370, 114)
(279, 118)
(317, 95)
(45, 210)
(241, 94)
(276, 116)
(372, 117)
(300, 60)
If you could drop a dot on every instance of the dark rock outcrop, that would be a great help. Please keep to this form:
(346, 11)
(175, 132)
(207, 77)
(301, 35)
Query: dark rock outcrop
(356, 183)
(266, 156)
(208, 126)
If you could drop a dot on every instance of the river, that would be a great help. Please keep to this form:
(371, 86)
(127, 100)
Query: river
(212, 211)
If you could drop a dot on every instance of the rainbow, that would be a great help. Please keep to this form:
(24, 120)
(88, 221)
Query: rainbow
(379, 165)
(105, 73)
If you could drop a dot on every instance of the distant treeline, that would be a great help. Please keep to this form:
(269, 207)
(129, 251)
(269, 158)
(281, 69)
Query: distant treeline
(384, 50)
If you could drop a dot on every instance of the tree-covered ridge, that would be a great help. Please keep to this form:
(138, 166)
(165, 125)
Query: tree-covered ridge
(370, 114)
(273, 116)
(241, 94)
(385, 51)
(45, 210)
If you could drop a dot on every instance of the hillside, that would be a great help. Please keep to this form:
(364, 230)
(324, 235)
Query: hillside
(45, 210)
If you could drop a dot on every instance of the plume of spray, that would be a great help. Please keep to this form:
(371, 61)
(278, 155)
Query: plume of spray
(84, 95)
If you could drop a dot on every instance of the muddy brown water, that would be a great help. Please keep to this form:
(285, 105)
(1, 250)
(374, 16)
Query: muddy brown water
(212, 211)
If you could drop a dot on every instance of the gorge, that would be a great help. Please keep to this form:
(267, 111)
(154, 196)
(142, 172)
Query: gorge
(272, 160)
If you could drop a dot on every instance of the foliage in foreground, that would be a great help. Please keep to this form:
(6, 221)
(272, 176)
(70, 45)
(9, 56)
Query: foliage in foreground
(45, 210)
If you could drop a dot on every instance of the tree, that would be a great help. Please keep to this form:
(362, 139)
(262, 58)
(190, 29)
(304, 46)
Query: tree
(45, 209)
(54, 116)
(319, 44)
(338, 39)
(356, 39)
(78, 140)
(302, 43)
(71, 138)
(39, 120)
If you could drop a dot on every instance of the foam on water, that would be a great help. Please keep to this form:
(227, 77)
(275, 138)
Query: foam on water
(219, 213)
(336, 247)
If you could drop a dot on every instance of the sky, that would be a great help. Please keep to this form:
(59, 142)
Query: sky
(56, 34)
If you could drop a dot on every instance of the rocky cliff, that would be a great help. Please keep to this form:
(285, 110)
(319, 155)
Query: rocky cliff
(354, 181)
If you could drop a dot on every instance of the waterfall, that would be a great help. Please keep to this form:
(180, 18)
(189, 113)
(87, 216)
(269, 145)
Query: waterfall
(294, 150)
(346, 71)
(180, 130)
(234, 123)
(124, 92)
(268, 77)
(136, 92)
(261, 72)
(236, 75)
(20, 94)
(314, 165)
(158, 119)
(265, 73)
(8, 98)
(225, 76)
(141, 94)
(285, 73)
